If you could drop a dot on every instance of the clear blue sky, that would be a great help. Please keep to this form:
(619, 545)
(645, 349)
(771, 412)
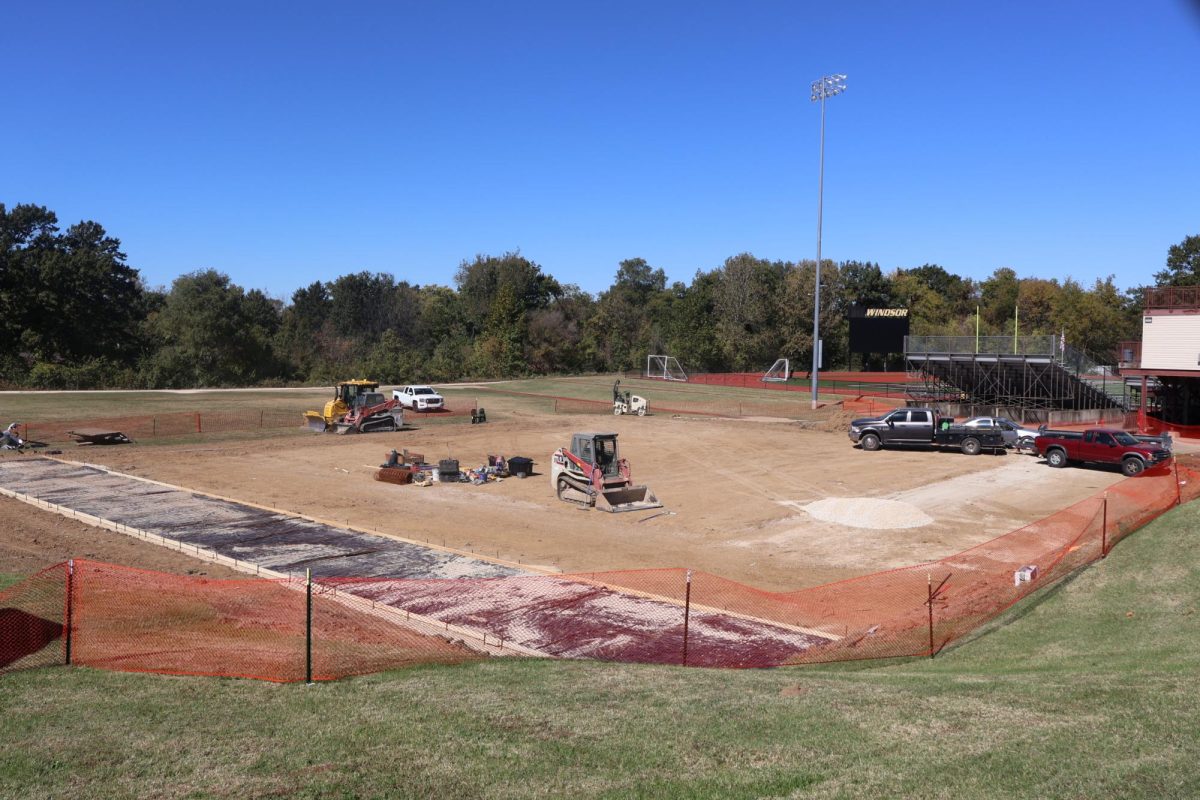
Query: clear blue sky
(288, 142)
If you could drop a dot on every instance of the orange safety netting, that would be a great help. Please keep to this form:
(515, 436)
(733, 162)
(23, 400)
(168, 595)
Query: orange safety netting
(720, 407)
(879, 384)
(868, 405)
(140, 621)
(182, 423)
(185, 423)
(32, 615)
(129, 619)
(1157, 426)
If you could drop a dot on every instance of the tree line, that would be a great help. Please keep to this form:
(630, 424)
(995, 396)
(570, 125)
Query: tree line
(75, 314)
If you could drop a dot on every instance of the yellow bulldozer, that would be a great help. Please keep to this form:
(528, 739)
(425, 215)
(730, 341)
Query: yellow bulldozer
(357, 407)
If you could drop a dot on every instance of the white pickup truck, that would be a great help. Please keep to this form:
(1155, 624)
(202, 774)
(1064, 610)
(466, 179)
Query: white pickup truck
(419, 398)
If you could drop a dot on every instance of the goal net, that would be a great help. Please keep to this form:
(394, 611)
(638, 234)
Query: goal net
(665, 368)
(779, 372)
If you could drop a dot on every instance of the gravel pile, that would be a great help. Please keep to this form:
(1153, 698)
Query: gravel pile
(868, 512)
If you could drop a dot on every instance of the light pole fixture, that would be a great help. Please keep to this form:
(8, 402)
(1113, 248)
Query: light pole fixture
(828, 86)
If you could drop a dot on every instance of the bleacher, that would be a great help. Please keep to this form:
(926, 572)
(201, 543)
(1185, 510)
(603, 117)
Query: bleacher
(1027, 372)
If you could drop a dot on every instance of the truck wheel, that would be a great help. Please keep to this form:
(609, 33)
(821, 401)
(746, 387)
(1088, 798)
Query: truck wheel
(641, 412)
(971, 446)
(1132, 466)
(870, 442)
(1056, 458)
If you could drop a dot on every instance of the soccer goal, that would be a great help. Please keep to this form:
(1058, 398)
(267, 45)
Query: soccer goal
(666, 368)
(779, 372)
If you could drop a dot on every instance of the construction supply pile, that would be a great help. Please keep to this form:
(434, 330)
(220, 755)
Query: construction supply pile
(411, 468)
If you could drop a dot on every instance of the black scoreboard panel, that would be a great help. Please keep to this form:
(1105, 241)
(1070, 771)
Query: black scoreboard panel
(877, 330)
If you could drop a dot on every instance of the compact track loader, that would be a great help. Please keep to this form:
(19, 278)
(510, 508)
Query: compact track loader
(591, 473)
(357, 407)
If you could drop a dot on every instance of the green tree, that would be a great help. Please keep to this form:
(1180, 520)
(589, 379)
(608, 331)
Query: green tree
(556, 340)
(690, 333)
(391, 360)
(998, 301)
(745, 299)
(480, 281)
(1038, 301)
(203, 326)
(361, 306)
(1183, 264)
(629, 317)
(500, 350)
(66, 298)
(302, 328)
(796, 314)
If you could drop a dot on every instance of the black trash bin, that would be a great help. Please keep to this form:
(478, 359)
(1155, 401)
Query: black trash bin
(448, 470)
(520, 466)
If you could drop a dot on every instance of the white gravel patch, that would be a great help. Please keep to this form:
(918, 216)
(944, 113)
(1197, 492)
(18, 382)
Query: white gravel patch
(868, 512)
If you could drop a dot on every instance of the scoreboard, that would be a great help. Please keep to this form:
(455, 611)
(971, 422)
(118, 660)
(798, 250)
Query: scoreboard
(877, 330)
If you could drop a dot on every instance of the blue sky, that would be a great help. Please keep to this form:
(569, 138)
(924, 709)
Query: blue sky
(288, 142)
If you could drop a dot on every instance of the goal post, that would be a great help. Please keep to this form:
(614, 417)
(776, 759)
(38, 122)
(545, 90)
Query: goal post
(665, 368)
(779, 372)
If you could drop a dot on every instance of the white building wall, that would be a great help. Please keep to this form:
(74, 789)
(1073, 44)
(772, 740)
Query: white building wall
(1171, 341)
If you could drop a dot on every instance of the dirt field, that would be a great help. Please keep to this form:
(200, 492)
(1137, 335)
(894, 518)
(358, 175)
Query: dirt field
(742, 493)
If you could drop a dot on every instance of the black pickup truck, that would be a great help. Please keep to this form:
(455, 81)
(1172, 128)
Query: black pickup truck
(922, 426)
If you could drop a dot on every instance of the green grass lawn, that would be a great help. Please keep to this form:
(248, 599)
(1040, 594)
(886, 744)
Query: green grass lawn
(1088, 690)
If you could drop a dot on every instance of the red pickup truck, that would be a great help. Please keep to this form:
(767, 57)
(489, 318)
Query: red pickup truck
(1103, 446)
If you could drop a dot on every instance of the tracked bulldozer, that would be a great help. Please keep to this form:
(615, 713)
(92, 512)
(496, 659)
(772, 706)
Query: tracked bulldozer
(591, 473)
(357, 407)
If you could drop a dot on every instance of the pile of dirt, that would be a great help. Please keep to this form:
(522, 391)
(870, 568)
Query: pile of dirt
(868, 512)
(837, 422)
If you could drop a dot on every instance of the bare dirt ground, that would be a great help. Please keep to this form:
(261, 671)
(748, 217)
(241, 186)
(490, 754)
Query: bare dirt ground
(738, 489)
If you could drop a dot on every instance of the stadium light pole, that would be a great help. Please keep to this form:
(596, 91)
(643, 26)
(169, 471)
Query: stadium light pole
(826, 87)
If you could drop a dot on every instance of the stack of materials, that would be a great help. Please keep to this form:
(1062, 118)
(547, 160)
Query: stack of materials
(401, 467)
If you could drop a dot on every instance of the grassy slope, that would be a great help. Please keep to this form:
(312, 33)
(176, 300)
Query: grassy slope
(1088, 691)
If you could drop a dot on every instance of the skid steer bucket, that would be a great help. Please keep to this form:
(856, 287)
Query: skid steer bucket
(627, 498)
(315, 421)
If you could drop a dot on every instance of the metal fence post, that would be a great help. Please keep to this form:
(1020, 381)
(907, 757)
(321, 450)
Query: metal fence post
(308, 628)
(68, 622)
(687, 610)
(1104, 527)
(1178, 486)
(929, 602)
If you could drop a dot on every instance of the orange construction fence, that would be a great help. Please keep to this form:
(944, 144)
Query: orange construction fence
(191, 423)
(126, 619)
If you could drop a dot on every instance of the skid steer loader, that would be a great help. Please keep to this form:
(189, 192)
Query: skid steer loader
(357, 408)
(591, 473)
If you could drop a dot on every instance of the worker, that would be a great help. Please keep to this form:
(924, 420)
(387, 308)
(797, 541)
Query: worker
(9, 439)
